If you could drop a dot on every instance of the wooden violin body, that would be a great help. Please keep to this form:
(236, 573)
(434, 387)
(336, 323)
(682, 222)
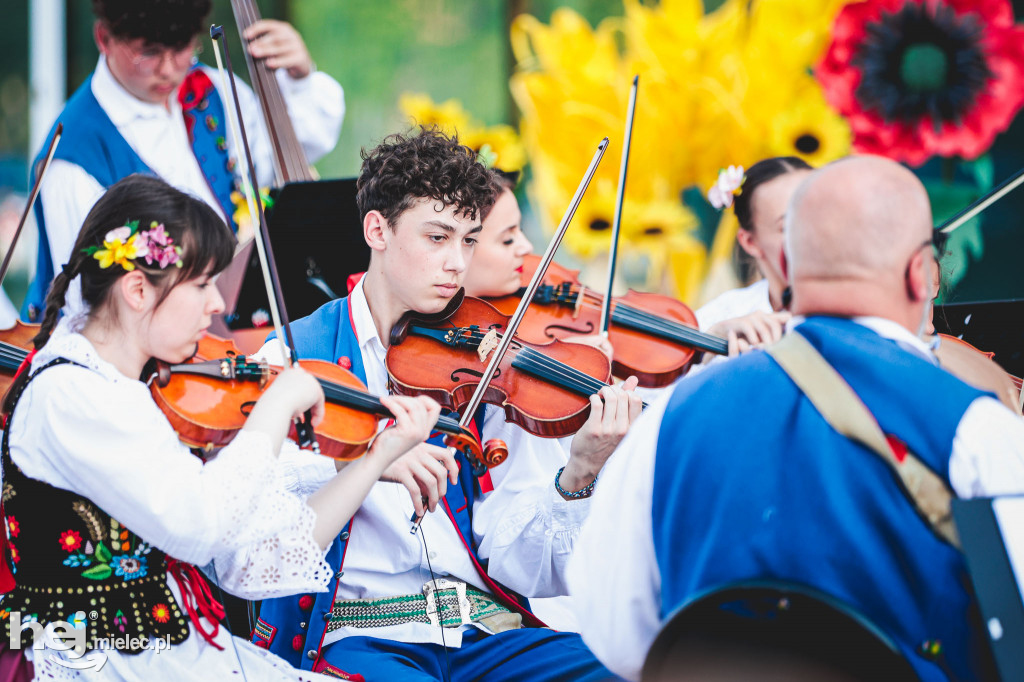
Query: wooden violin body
(208, 402)
(654, 337)
(544, 388)
(977, 368)
(15, 344)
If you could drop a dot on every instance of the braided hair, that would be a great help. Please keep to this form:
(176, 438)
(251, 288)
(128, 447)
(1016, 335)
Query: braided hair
(206, 244)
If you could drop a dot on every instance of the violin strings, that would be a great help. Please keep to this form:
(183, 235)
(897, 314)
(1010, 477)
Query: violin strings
(569, 377)
(645, 321)
(353, 397)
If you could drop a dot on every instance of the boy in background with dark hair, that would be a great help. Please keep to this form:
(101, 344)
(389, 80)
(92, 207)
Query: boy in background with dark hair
(150, 107)
(493, 538)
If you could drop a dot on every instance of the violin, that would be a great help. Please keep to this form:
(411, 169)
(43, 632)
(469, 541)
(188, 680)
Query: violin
(208, 401)
(544, 388)
(15, 344)
(654, 337)
(977, 368)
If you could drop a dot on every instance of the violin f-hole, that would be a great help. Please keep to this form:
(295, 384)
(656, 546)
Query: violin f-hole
(455, 376)
(246, 407)
(549, 331)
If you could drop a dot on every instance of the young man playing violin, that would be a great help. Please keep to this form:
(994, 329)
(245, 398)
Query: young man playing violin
(489, 539)
(150, 107)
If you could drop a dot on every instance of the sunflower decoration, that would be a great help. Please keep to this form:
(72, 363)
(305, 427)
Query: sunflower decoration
(590, 232)
(662, 230)
(449, 116)
(919, 78)
(497, 146)
(810, 129)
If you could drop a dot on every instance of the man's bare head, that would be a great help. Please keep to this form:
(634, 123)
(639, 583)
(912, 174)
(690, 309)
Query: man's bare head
(855, 236)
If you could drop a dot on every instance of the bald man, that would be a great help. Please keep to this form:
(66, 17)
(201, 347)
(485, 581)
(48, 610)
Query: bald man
(736, 475)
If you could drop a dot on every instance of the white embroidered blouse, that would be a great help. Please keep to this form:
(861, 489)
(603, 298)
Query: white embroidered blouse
(95, 432)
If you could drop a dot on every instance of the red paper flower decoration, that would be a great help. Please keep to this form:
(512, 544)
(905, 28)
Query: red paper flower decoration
(916, 78)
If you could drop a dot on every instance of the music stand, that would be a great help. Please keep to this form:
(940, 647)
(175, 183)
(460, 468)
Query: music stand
(317, 238)
(992, 534)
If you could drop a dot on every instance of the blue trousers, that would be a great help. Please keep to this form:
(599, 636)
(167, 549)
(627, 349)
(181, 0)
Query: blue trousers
(534, 654)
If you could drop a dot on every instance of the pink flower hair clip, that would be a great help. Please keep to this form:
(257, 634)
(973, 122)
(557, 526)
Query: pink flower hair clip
(160, 248)
(729, 185)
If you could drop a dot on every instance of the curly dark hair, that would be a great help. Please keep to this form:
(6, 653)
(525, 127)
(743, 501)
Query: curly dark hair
(427, 165)
(172, 23)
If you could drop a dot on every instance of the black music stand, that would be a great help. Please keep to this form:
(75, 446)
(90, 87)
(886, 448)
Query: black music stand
(984, 525)
(991, 326)
(317, 238)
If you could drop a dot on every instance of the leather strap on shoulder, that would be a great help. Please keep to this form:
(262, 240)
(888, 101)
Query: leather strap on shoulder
(844, 411)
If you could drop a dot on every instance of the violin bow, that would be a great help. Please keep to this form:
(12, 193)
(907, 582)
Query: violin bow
(606, 305)
(36, 187)
(275, 299)
(524, 302)
(1007, 186)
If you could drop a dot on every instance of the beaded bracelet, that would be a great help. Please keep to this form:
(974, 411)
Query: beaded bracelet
(586, 491)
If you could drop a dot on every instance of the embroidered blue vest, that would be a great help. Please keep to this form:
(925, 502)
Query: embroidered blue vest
(786, 497)
(92, 142)
(294, 627)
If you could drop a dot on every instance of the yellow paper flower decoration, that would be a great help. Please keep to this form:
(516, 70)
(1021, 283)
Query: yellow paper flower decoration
(499, 145)
(721, 89)
(449, 117)
(812, 130)
(120, 246)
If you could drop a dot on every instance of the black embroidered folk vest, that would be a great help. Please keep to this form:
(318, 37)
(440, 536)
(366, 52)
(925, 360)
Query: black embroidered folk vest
(74, 563)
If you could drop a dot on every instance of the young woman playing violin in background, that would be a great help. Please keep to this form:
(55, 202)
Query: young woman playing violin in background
(503, 251)
(759, 198)
(104, 505)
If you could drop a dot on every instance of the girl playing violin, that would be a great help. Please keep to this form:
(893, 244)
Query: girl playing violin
(107, 513)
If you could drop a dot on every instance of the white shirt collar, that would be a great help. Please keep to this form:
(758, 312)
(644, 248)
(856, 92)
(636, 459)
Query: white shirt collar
(366, 330)
(885, 328)
(120, 105)
(66, 341)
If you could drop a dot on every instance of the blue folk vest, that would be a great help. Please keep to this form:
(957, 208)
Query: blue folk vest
(92, 142)
(785, 497)
(294, 627)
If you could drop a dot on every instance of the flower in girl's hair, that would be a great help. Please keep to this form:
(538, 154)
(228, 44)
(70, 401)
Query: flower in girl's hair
(160, 248)
(121, 246)
(729, 184)
(161, 613)
(124, 244)
(70, 540)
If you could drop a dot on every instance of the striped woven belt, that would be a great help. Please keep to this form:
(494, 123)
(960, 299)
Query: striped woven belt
(448, 603)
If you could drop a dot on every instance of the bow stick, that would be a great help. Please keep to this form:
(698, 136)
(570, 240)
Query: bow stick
(1010, 184)
(524, 302)
(36, 187)
(606, 305)
(278, 312)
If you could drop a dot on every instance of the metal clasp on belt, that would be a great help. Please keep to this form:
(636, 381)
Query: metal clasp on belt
(434, 614)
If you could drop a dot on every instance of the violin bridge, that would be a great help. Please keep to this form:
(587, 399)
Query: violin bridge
(579, 302)
(487, 344)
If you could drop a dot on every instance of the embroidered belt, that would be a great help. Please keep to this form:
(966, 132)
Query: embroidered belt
(448, 603)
